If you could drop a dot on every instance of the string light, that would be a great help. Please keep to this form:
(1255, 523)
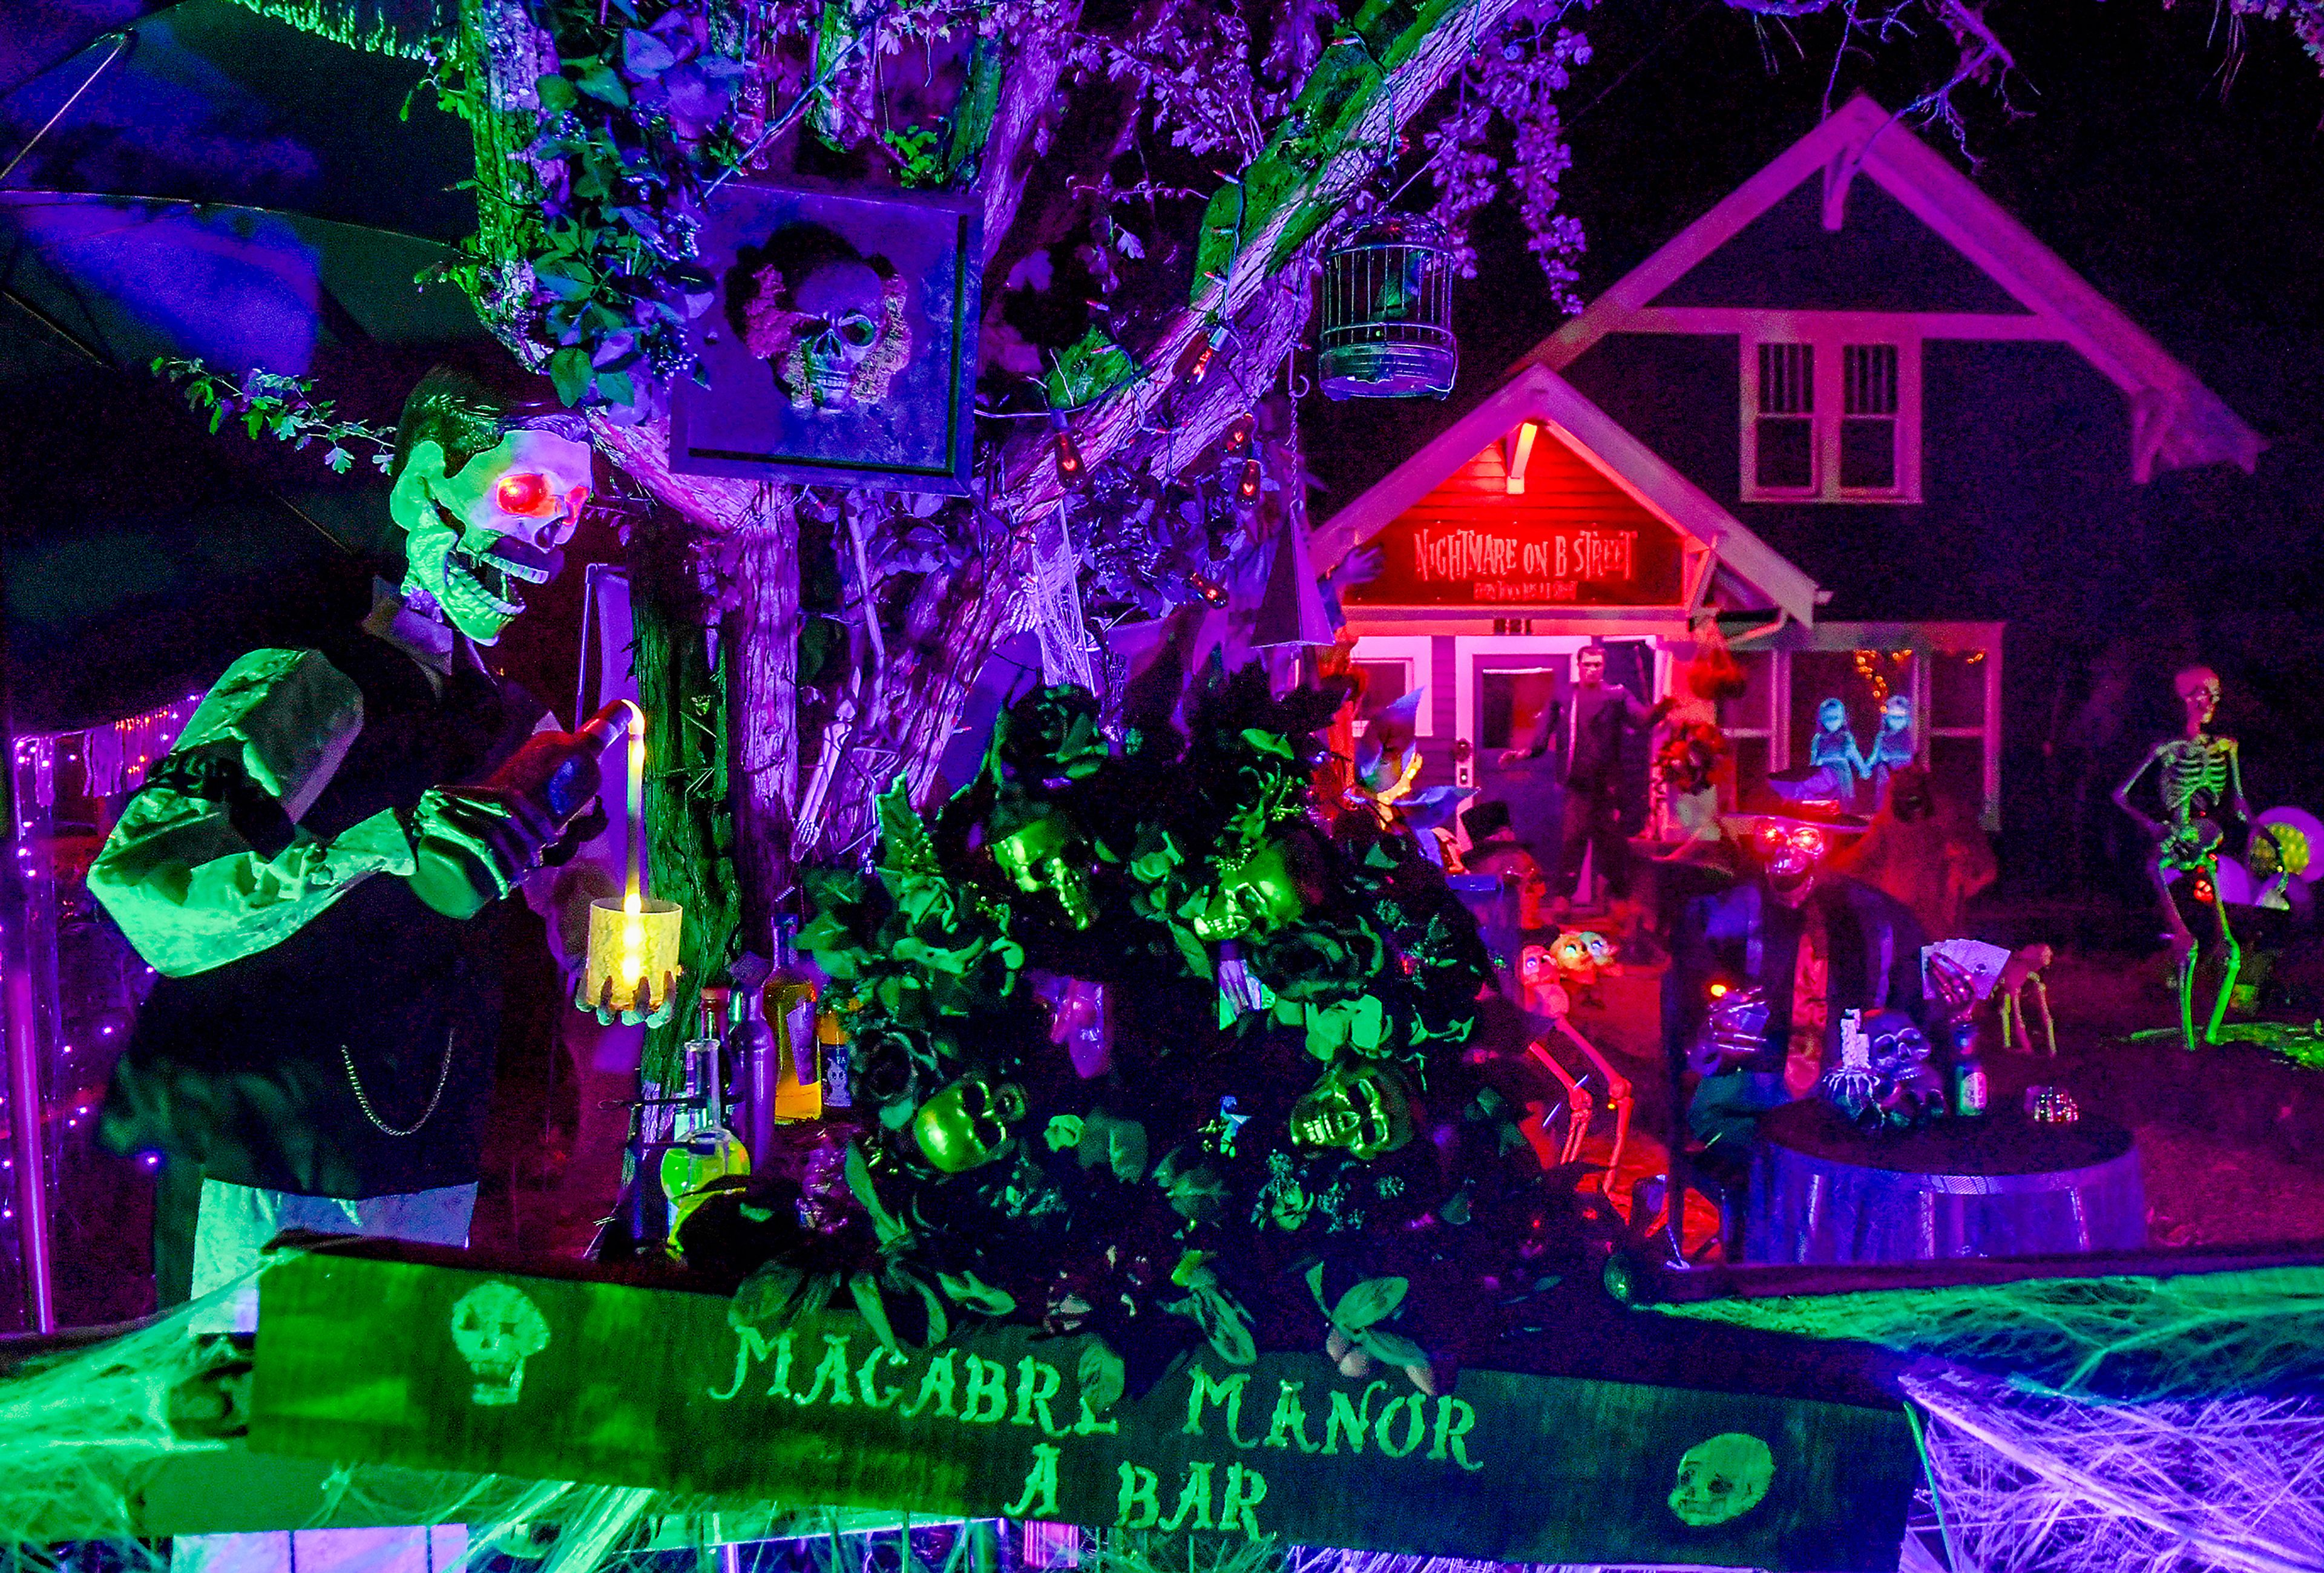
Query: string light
(1246, 488)
(1069, 456)
(1195, 363)
(1239, 433)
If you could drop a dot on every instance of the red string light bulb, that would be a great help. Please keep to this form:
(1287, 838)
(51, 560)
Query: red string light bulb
(1195, 363)
(1070, 470)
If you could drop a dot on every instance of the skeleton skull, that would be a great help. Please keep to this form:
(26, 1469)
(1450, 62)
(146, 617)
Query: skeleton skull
(497, 1328)
(470, 535)
(2198, 688)
(837, 337)
(1722, 1478)
(1041, 856)
(1258, 895)
(1366, 1109)
(966, 1125)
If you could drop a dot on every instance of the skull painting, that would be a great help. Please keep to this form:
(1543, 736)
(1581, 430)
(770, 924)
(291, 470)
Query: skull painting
(830, 323)
(1041, 856)
(497, 1328)
(1721, 1479)
(486, 500)
(966, 1125)
(1365, 1109)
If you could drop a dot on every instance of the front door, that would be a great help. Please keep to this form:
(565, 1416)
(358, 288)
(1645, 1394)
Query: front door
(1504, 685)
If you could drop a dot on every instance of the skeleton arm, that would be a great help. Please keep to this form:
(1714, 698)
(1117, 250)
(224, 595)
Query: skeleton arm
(179, 872)
(2235, 780)
(2122, 793)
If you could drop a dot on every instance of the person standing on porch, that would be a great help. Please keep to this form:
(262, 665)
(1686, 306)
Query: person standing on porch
(1589, 727)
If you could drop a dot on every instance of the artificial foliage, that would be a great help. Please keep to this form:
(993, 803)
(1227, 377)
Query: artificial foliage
(1249, 962)
(272, 404)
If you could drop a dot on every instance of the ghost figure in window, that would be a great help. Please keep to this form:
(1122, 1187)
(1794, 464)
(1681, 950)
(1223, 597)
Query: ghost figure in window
(1722, 1478)
(831, 327)
(497, 1328)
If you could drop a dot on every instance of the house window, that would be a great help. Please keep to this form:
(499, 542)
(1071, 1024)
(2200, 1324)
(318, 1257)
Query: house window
(1786, 447)
(1831, 416)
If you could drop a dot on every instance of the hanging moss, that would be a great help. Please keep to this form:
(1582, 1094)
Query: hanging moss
(412, 30)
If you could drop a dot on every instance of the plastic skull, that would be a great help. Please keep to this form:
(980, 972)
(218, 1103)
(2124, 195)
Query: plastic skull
(1043, 855)
(837, 337)
(1722, 1478)
(1257, 895)
(497, 1328)
(1576, 955)
(475, 533)
(1365, 1108)
(966, 1125)
(2198, 689)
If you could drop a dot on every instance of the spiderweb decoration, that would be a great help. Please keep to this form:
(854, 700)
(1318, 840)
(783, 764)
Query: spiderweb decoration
(2127, 1338)
(2026, 1481)
(1051, 605)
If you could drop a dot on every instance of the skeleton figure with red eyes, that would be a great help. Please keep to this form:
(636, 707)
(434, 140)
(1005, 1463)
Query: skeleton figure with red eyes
(317, 871)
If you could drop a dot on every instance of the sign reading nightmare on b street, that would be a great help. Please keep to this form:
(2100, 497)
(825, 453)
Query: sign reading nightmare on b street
(441, 1368)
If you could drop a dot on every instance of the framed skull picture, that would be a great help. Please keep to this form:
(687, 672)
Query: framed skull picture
(842, 349)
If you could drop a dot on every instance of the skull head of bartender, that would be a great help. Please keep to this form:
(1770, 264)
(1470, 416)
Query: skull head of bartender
(1792, 854)
(487, 494)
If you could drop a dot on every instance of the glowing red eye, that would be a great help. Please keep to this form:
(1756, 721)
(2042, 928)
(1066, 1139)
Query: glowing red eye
(526, 494)
(1809, 841)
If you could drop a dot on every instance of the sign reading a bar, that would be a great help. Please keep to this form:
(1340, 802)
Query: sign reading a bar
(395, 1362)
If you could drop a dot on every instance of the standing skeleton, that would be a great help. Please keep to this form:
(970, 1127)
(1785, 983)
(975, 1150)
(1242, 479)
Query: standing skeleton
(2195, 773)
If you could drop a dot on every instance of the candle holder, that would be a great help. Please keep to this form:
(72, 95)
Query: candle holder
(633, 940)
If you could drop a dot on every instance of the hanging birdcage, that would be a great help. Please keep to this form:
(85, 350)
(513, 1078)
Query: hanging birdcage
(1388, 311)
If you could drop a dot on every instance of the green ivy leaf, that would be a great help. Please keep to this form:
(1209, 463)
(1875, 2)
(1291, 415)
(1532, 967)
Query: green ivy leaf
(570, 370)
(601, 82)
(968, 1290)
(1392, 1348)
(1103, 1377)
(1372, 1300)
(556, 94)
(866, 1290)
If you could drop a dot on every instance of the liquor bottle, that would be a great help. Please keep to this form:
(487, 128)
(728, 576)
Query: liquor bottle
(790, 1002)
(1971, 1091)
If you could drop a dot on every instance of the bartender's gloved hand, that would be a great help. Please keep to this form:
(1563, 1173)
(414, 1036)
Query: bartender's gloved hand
(471, 845)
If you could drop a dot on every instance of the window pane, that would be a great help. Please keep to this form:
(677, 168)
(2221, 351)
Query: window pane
(1750, 769)
(1862, 680)
(1956, 768)
(1510, 706)
(1869, 379)
(1383, 685)
(1753, 711)
(1867, 455)
(1786, 458)
(1957, 690)
(1786, 379)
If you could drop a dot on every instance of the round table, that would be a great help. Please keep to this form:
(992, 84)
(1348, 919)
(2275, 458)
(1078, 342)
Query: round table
(1823, 1191)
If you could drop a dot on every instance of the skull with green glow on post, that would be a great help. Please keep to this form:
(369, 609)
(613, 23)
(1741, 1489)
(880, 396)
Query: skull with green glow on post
(1362, 1107)
(487, 495)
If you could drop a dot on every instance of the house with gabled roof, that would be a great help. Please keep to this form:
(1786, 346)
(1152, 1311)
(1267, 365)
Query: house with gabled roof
(1858, 346)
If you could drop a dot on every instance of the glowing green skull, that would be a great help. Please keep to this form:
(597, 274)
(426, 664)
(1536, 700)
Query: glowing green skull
(1365, 1108)
(473, 534)
(966, 1125)
(1042, 857)
(1722, 1478)
(1258, 895)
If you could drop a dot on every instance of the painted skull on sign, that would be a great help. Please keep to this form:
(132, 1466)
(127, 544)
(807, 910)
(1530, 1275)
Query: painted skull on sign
(497, 1328)
(831, 323)
(486, 497)
(1722, 1478)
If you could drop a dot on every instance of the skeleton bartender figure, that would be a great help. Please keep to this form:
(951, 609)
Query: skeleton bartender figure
(317, 873)
(2196, 774)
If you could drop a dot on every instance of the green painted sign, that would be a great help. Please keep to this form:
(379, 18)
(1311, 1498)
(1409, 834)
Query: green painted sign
(438, 1367)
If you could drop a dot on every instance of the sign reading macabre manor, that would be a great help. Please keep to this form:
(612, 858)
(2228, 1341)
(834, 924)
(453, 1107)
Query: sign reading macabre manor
(1570, 538)
(442, 1368)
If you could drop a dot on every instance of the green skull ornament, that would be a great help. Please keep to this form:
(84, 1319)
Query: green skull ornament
(1041, 856)
(966, 1125)
(1257, 895)
(1722, 1478)
(1365, 1108)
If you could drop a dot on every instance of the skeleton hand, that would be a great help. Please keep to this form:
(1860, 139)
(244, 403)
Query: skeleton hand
(1511, 756)
(1353, 1362)
(653, 1010)
(1734, 1031)
(1955, 991)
